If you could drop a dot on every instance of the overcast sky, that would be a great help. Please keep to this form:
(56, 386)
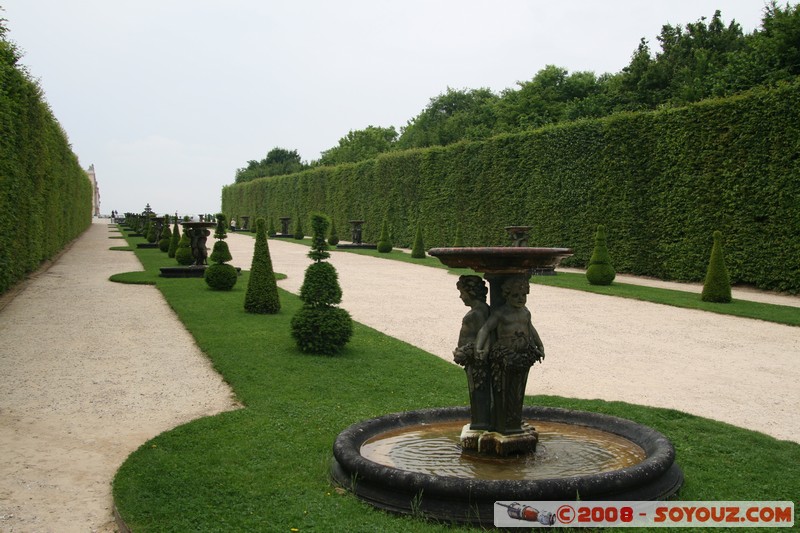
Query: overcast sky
(167, 98)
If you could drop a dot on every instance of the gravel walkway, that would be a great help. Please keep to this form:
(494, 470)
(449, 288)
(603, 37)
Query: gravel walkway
(91, 370)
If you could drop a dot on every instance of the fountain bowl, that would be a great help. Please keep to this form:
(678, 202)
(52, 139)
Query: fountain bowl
(502, 259)
(469, 500)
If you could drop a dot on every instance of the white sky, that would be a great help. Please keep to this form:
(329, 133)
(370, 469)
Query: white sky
(167, 98)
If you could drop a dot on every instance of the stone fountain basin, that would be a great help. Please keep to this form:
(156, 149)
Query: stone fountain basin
(501, 259)
(454, 499)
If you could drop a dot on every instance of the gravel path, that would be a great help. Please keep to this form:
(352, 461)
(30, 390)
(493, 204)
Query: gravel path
(92, 369)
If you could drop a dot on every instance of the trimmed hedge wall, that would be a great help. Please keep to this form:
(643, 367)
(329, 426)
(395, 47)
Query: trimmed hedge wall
(45, 195)
(661, 183)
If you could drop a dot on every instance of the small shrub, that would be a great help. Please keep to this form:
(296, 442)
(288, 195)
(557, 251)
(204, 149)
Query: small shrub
(717, 286)
(175, 239)
(220, 232)
(458, 241)
(333, 239)
(298, 230)
(319, 326)
(320, 285)
(220, 253)
(319, 248)
(218, 274)
(600, 271)
(271, 231)
(221, 276)
(384, 242)
(262, 290)
(151, 231)
(183, 253)
(418, 250)
(322, 330)
(166, 236)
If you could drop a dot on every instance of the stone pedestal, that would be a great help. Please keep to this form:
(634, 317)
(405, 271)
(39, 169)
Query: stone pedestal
(494, 443)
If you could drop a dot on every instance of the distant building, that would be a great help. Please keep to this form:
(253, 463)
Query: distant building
(95, 191)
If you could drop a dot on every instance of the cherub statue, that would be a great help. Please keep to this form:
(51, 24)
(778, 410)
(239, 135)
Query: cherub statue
(515, 347)
(473, 292)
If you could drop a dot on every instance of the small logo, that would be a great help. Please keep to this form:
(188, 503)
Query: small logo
(529, 514)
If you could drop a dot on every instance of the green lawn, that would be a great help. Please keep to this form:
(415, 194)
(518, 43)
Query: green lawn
(265, 467)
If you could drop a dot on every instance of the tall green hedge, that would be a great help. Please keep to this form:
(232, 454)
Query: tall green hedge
(661, 182)
(45, 195)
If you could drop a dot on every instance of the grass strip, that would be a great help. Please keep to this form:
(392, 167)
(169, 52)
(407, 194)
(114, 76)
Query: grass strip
(782, 314)
(265, 467)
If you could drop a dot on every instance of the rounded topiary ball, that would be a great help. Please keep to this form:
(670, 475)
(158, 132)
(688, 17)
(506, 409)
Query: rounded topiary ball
(322, 330)
(221, 276)
(183, 254)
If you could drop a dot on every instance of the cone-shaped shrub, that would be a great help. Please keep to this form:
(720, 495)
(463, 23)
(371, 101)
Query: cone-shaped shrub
(320, 327)
(166, 236)
(459, 241)
(717, 287)
(384, 242)
(262, 290)
(600, 271)
(418, 250)
(219, 275)
(183, 253)
(151, 231)
(175, 239)
(298, 230)
(271, 230)
(333, 238)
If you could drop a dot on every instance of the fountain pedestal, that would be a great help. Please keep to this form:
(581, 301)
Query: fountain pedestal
(495, 443)
(506, 347)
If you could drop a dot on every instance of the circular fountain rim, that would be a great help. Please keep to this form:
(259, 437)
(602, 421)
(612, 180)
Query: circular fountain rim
(656, 477)
(501, 259)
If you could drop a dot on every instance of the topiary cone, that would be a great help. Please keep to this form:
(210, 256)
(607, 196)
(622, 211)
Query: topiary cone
(717, 287)
(418, 250)
(600, 271)
(262, 290)
(384, 241)
(458, 242)
(173, 241)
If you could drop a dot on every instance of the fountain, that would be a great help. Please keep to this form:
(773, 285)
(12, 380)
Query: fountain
(452, 464)
(198, 233)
